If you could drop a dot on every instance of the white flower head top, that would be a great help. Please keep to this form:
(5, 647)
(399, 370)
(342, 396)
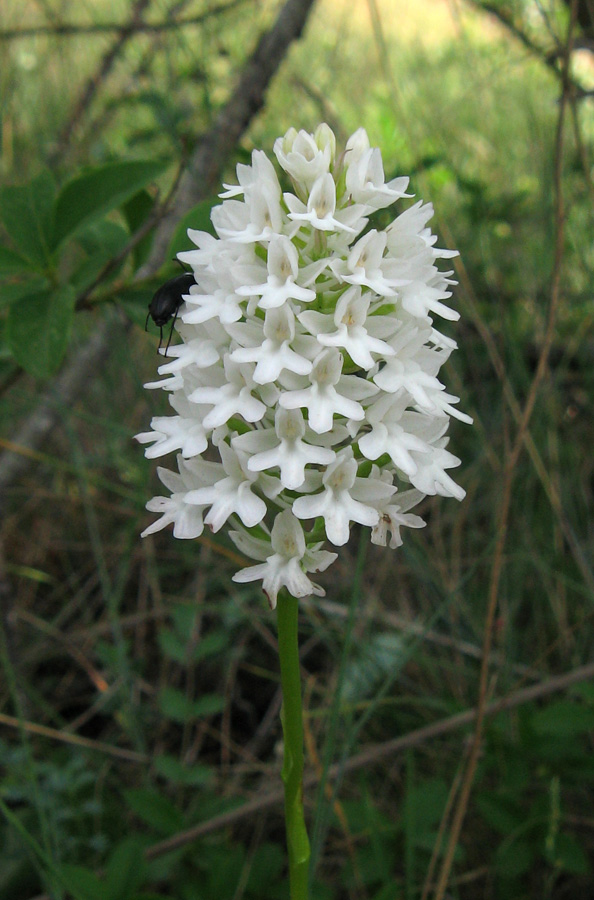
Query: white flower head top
(305, 388)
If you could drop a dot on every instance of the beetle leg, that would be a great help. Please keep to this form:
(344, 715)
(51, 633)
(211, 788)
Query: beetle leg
(171, 332)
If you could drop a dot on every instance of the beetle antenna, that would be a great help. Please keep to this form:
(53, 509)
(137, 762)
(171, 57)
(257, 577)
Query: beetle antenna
(148, 315)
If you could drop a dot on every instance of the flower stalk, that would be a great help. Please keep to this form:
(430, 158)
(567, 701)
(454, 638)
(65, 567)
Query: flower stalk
(292, 720)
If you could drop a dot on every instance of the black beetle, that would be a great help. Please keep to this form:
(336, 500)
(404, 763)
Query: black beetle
(166, 303)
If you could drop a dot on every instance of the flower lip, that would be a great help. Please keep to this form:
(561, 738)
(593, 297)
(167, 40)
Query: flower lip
(287, 563)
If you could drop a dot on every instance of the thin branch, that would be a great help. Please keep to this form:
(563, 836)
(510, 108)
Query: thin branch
(204, 170)
(77, 740)
(99, 123)
(84, 101)
(550, 57)
(420, 629)
(509, 473)
(203, 174)
(82, 301)
(505, 18)
(169, 24)
(368, 757)
(377, 753)
(73, 378)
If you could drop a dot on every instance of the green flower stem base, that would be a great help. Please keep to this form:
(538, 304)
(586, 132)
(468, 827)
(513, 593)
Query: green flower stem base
(292, 719)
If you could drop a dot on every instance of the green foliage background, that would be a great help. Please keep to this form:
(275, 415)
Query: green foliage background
(141, 691)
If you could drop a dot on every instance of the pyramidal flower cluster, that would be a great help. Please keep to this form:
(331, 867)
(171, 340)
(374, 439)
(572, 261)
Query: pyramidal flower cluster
(305, 390)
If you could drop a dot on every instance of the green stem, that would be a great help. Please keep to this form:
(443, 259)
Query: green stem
(292, 719)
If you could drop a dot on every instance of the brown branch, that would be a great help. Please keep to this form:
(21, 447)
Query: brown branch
(376, 754)
(204, 170)
(552, 58)
(584, 15)
(66, 737)
(100, 121)
(168, 24)
(82, 301)
(370, 756)
(505, 18)
(84, 102)
(508, 477)
(516, 411)
(73, 378)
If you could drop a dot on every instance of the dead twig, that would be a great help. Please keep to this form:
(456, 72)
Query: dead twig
(368, 757)
(508, 478)
(84, 101)
(160, 211)
(375, 754)
(203, 172)
(65, 737)
(169, 24)
(204, 169)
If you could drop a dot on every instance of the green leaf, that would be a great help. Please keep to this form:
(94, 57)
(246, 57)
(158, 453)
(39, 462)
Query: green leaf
(136, 212)
(428, 799)
(224, 865)
(173, 647)
(500, 813)
(38, 330)
(513, 858)
(27, 214)
(155, 810)
(101, 242)
(11, 263)
(175, 705)
(210, 645)
(563, 719)
(197, 218)
(126, 870)
(208, 705)
(385, 893)
(381, 654)
(18, 877)
(82, 883)
(181, 649)
(135, 302)
(569, 856)
(265, 872)
(584, 690)
(184, 617)
(212, 805)
(102, 235)
(24, 285)
(176, 772)
(99, 190)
